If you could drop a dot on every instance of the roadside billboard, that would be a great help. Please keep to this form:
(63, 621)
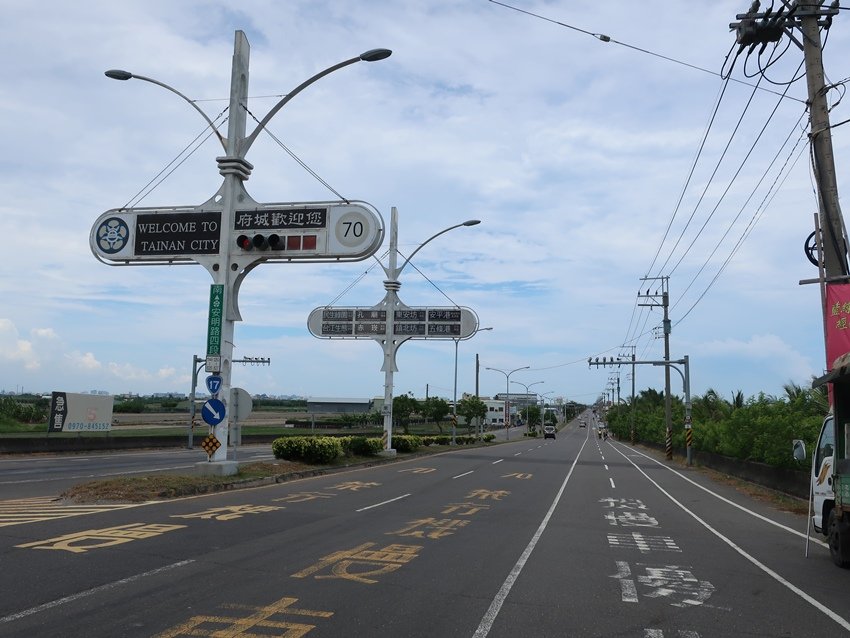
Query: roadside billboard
(71, 412)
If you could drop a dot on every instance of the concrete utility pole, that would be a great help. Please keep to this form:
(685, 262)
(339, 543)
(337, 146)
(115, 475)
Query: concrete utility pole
(832, 222)
(686, 386)
(757, 29)
(653, 301)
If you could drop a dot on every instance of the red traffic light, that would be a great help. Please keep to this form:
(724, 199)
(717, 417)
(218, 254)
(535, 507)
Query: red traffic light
(244, 242)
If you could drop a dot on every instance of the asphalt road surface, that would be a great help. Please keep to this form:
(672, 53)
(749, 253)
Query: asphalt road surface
(571, 537)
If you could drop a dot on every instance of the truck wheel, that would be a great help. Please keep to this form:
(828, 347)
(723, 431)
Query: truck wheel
(835, 540)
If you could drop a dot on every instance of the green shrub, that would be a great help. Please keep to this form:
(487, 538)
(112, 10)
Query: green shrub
(362, 446)
(407, 442)
(314, 449)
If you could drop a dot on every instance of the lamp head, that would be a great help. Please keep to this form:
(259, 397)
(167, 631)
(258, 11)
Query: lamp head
(471, 222)
(118, 74)
(373, 55)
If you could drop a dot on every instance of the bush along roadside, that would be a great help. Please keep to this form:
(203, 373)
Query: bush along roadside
(321, 450)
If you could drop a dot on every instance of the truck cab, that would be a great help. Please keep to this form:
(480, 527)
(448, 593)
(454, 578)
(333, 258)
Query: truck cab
(830, 469)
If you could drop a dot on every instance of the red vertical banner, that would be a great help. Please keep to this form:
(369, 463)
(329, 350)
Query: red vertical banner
(837, 320)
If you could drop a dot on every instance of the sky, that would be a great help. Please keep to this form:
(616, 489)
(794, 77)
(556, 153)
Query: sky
(591, 164)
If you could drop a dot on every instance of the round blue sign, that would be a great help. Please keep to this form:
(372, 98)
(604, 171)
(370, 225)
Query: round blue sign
(213, 411)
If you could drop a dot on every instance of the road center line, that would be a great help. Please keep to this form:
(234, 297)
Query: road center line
(90, 592)
(767, 570)
(497, 461)
(612, 482)
(518, 453)
(368, 507)
(464, 474)
(502, 595)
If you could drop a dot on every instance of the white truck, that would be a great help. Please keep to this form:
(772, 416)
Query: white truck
(829, 496)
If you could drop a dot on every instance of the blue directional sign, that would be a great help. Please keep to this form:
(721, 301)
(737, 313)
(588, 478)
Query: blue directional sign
(213, 412)
(213, 384)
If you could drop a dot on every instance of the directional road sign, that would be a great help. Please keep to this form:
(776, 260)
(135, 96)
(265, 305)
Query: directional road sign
(335, 322)
(213, 412)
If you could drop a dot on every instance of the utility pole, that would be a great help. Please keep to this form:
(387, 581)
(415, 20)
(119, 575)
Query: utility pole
(686, 386)
(653, 301)
(757, 29)
(832, 222)
(632, 413)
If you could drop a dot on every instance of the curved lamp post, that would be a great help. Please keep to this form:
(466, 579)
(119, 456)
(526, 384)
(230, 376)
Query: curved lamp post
(391, 302)
(454, 405)
(508, 394)
(543, 396)
(235, 169)
(245, 143)
(527, 392)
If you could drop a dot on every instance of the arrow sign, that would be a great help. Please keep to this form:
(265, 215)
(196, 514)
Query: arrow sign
(213, 412)
(213, 384)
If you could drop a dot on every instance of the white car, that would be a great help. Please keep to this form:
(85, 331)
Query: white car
(549, 431)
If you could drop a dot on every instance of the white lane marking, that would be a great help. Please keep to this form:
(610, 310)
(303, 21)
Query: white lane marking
(464, 474)
(90, 592)
(89, 476)
(612, 482)
(518, 453)
(502, 595)
(368, 507)
(606, 466)
(767, 570)
(497, 461)
(729, 502)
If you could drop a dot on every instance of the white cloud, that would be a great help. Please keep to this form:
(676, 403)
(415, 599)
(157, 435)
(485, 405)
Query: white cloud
(573, 153)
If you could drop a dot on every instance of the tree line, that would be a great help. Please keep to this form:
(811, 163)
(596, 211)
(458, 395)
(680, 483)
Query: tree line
(758, 429)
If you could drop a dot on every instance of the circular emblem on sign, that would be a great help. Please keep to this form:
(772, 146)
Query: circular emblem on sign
(353, 229)
(112, 235)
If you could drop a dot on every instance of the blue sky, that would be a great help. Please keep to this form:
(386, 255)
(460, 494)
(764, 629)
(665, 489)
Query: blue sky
(573, 152)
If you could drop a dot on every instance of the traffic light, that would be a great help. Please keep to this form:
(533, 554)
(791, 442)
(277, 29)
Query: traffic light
(260, 242)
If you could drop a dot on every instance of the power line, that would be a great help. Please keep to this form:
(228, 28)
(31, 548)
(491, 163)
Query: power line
(606, 38)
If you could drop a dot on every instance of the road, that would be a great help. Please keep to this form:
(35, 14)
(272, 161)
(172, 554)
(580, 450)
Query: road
(571, 537)
(28, 476)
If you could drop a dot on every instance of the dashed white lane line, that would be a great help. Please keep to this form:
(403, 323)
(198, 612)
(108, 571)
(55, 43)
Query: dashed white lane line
(368, 507)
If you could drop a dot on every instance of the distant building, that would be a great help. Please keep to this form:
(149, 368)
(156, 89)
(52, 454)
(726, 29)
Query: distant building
(335, 405)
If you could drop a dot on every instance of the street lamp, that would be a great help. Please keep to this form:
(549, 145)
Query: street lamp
(391, 302)
(454, 405)
(527, 392)
(543, 396)
(508, 394)
(226, 274)
(245, 143)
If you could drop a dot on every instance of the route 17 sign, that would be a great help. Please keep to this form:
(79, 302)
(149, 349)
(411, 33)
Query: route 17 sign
(336, 322)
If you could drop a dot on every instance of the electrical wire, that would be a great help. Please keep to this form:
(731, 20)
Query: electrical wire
(297, 159)
(690, 173)
(164, 173)
(709, 182)
(731, 181)
(744, 205)
(766, 201)
(605, 38)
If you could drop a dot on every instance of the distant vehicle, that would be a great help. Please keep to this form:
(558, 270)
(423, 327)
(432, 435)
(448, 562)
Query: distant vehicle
(549, 432)
(582, 424)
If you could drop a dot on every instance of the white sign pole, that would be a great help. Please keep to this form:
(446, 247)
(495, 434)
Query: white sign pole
(235, 169)
(388, 344)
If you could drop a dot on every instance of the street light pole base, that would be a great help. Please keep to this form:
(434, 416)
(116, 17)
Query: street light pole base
(216, 468)
(389, 453)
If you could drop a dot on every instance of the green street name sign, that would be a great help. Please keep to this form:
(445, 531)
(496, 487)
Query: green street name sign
(216, 316)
